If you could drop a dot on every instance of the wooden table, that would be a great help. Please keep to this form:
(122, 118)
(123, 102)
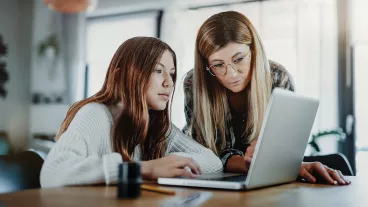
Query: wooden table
(293, 194)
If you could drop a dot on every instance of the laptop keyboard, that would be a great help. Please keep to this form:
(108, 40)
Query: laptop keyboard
(235, 178)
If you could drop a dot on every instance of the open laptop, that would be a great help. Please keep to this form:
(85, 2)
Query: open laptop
(279, 151)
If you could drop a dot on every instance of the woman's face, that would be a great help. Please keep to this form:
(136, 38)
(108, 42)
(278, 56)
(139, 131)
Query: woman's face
(231, 66)
(161, 83)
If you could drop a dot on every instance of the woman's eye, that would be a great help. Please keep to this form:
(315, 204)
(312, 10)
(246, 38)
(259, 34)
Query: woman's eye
(238, 60)
(219, 65)
(158, 71)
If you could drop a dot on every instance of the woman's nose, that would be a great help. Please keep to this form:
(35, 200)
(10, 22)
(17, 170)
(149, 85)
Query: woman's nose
(231, 71)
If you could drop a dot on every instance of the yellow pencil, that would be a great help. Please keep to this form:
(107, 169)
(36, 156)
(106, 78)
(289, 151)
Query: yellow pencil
(157, 189)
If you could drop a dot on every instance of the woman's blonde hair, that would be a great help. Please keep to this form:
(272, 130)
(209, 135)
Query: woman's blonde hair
(211, 112)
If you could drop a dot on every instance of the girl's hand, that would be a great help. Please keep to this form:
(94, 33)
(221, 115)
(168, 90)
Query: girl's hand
(170, 166)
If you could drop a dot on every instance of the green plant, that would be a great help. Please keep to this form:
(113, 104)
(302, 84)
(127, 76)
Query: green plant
(50, 41)
(341, 136)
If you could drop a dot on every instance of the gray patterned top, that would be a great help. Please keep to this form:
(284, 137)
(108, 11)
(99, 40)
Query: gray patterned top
(280, 78)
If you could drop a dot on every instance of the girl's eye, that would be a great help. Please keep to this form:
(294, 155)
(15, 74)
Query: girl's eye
(159, 71)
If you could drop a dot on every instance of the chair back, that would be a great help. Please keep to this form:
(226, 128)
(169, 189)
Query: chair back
(20, 171)
(4, 143)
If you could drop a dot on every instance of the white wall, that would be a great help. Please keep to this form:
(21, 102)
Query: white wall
(47, 118)
(106, 7)
(15, 27)
(23, 24)
(47, 74)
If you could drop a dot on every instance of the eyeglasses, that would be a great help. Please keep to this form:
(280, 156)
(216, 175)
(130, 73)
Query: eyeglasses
(239, 64)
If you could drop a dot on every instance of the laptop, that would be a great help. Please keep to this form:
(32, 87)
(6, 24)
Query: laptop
(279, 151)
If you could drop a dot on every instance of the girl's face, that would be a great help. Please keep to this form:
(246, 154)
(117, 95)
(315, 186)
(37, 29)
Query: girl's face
(161, 83)
(231, 66)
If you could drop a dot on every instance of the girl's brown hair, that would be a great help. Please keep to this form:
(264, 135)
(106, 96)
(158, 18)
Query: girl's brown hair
(126, 82)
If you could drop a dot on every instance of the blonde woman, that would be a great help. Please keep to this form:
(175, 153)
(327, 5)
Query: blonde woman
(227, 92)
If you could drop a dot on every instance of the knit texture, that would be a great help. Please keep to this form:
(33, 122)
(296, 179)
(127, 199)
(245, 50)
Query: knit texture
(83, 154)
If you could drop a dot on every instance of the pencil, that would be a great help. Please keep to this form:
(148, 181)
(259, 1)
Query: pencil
(157, 189)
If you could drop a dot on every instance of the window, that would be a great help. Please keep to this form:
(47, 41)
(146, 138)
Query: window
(300, 35)
(361, 111)
(359, 37)
(104, 36)
(179, 31)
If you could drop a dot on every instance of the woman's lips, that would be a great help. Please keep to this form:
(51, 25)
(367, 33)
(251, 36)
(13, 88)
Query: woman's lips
(235, 82)
(164, 95)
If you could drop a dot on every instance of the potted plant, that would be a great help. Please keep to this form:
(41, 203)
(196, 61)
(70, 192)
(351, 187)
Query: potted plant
(49, 47)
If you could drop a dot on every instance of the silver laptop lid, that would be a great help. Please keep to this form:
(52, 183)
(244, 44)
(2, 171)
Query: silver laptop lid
(282, 140)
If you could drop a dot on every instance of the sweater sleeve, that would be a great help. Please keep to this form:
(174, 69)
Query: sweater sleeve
(188, 99)
(75, 158)
(183, 145)
(281, 78)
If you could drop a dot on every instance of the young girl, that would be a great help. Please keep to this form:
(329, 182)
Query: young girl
(228, 90)
(127, 120)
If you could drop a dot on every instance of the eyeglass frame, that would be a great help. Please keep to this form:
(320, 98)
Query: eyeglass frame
(247, 55)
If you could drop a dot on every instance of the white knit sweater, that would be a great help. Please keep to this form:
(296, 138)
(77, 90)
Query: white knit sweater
(83, 153)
